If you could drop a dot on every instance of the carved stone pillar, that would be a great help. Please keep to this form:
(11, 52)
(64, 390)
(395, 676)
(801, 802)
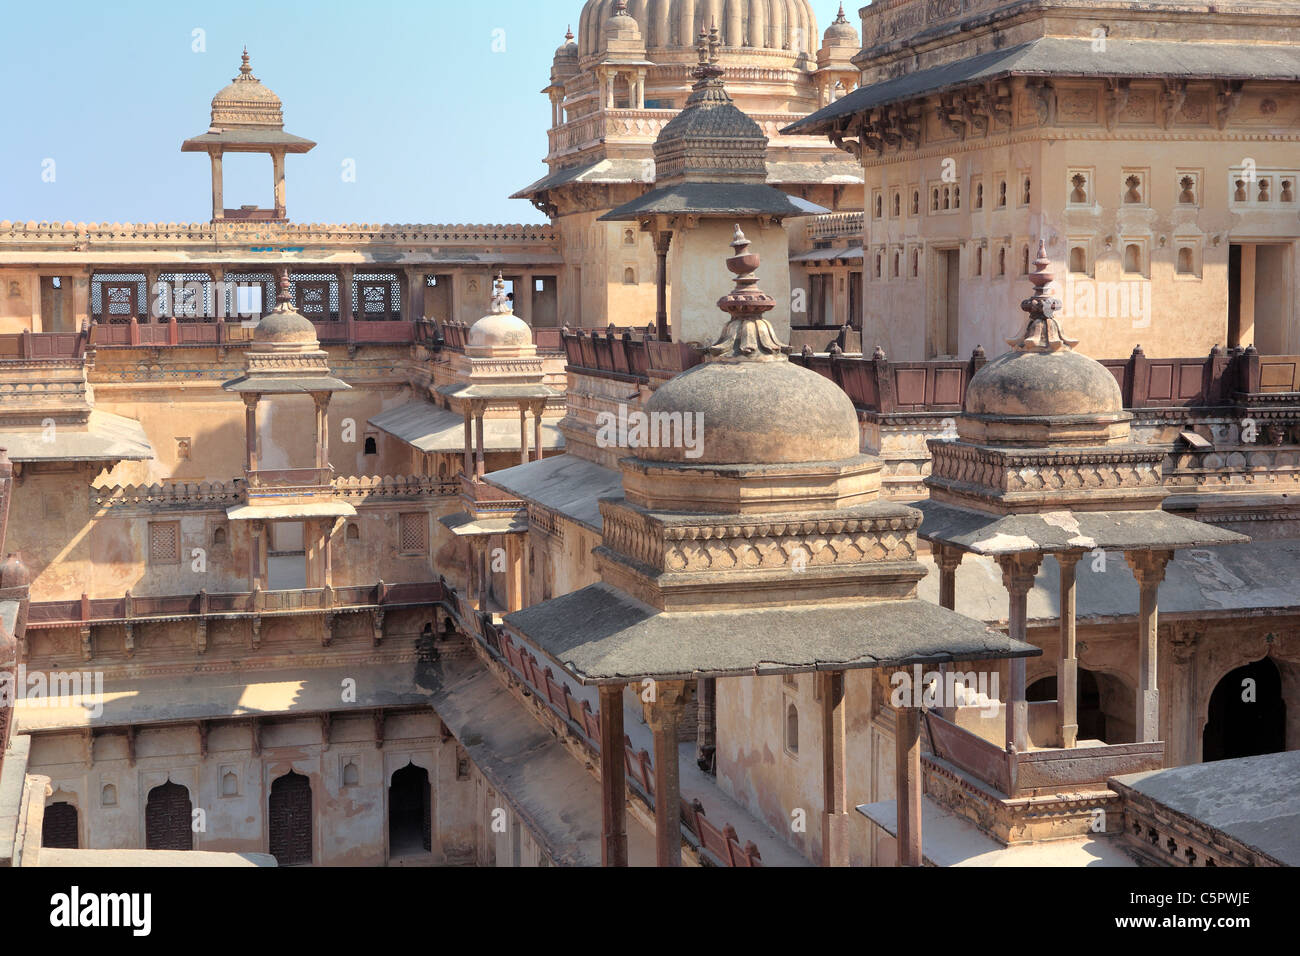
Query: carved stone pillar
(613, 779)
(663, 242)
(948, 559)
(538, 409)
(277, 167)
(218, 201)
(835, 789)
(480, 462)
(1149, 569)
(469, 442)
(1067, 670)
(257, 535)
(523, 433)
(907, 737)
(664, 715)
(250, 431)
(322, 400)
(1018, 572)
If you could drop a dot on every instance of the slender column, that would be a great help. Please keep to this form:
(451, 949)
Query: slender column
(218, 200)
(947, 558)
(151, 274)
(1018, 572)
(663, 241)
(345, 293)
(277, 166)
(514, 573)
(538, 409)
(1149, 569)
(1067, 671)
(322, 400)
(257, 531)
(480, 465)
(415, 285)
(250, 432)
(469, 442)
(664, 715)
(523, 433)
(835, 814)
(613, 779)
(327, 558)
(907, 737)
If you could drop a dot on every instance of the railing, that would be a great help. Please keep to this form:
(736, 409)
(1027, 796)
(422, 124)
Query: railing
(723, 845)
(27, 346)
(291, 478)
(1052, 769)
(169, 333)
(288, 232)
(99, 611)
(836, 226)
(627, 354)
(1223, 378)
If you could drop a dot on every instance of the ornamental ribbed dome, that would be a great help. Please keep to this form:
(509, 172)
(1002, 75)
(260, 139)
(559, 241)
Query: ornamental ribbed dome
(246, 103)
(500, 328)
(841, 33)
(675, 24)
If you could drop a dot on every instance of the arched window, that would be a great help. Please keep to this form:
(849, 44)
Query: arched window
(947, 197)
(1132, 258)
(880, 209)
(1024, 260)
(372, 446)
(229, 784)
(897, 264)
(219, 537)
(898, 202)
(916, 202)
(629, 276)
(1002, 193)
(916, 263)
(351, 775)
(353, 532)
(1078, 260)
(108, 796)
(1002, 262)
(1079, 194)
(1186, 262)
(934, 199)
(979, 195)
(979, 262)
(792, 728)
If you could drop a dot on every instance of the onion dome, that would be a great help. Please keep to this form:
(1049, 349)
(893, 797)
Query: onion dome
(501, 328)
(756, 407)
(246, 103)
(569, 48)
(1042, 376)
(286, 326)
(621, 25)
(565, 63)
(672, 25)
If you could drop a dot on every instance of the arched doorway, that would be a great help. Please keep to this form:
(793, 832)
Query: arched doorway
(167, 818)
(59, 830)
(410, 812)
(1091, 716)
(289, 820)
(1247, 715)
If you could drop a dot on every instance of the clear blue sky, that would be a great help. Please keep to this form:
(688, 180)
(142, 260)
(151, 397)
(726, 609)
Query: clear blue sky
(441, 128)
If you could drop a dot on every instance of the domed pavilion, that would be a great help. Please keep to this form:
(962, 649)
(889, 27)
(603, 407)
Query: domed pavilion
(758, 556)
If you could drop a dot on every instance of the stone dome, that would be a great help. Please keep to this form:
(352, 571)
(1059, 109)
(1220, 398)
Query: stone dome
(675, 24)
(755, 406)
(246, 104)
(759, 413)
(841, 33)
(14, 573)
(285, 326)
(500, 328)
(569, 48)
(1042, 376)
(1063, 383)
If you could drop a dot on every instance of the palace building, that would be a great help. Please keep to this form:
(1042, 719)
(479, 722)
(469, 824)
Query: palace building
(886, 455)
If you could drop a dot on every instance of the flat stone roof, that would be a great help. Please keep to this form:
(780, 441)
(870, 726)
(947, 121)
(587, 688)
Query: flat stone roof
(191, 859)
(465, 525)
(566, 484)
(104, 437)
(321, 509)
(1255, 800)
(1201, 584)
(714, 199)
(983, 533)
(216, 696)
(1070, 56)
(602, 636)
(432, 428)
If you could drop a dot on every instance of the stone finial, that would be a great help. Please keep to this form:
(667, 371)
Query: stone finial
(246, 66)
(500, 302)
(840, 17)
(1043, 333)
(568, 33)
(284, 295)
(748, 336)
